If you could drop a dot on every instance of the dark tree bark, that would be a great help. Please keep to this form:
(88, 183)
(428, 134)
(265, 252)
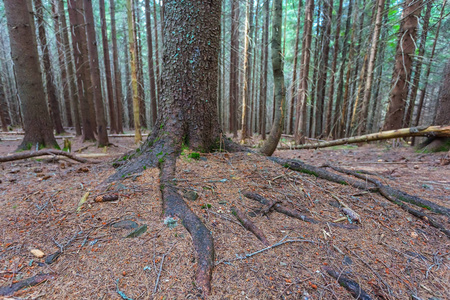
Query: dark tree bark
(264, 70)
(139, 65)
(271, 143)
(65, 82)
(234, 68)
(117, 74)
(328, 123)
(109, 88)
(189, 79)
(4, 113)
(80, 53)
(403, 62)
(24, 53)
(157, 59)
(294, 71)
(128, 91)
(51, 89)
(102, 133)
(151, 72)
(70, 69)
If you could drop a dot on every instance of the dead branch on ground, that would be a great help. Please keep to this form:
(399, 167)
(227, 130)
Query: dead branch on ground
(24, 155)
(249, 225)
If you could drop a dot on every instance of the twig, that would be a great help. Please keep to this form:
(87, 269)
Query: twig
(160, 269)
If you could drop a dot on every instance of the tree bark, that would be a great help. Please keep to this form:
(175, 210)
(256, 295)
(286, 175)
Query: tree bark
(234, 67)
(139, 64)
(51, 89)
(102, 132)
(81, 58)
(151, 72)
(128, 83)
(117, 73)
(109, 88)
(403, 62)
(157, 59)
(264, 71)
(24, 54)
(4, 113)
(270, 145)
(134, 75)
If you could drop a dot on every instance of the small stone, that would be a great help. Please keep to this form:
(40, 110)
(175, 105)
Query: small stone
(138, 232)
(38, 253)
(191, 195)
(52, 257)
(125, 224)
(416, 167)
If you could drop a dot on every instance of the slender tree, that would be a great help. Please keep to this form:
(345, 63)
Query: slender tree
(403, 62)
(24, 53)
(157, 59)
(234, 67)
(4, 114)
(151, 72)
(264, 71)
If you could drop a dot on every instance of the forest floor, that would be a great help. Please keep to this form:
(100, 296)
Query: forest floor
(391, 254)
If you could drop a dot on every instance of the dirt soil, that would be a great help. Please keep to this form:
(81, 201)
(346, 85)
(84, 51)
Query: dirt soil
(391, 254)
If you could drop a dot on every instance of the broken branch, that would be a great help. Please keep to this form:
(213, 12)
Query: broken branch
(249, 225)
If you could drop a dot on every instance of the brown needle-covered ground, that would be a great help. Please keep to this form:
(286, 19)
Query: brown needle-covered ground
(390, 254)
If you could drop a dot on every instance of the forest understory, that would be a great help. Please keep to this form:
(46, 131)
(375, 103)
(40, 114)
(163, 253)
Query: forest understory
(389, 253)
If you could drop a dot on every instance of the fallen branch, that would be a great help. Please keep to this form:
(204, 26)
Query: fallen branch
(279, 208)
(435, 131)
(35, 280)
(24, 155)
(249, 225)
(349, 285)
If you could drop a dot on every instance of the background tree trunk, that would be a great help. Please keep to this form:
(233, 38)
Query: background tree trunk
(151, 72)
(117, 73)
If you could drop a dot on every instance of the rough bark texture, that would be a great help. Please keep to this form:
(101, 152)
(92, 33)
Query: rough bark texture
(4, 114)
(102, 133)
(151, 72)
(80, 53)
(117, 74)
(403, 62)
(234, 67)
(188, 113)
(271, 143)
(109, 88)
(264, 71)
(24, 53)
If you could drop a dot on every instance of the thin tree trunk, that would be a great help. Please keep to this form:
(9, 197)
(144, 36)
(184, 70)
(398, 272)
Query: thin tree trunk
(300, 127)
(234, 67)
(80, 52)
(271, 143)
(128, 83)
(110, 94)
(139, 66)
(51, 89)
(117, 73)
(264, 70)
(248, 48)
(328, 122)
(403, 62)
(157, 60)
(102, 132)
(4, 114)
(254, 94)
(150, 62)
(134, 75)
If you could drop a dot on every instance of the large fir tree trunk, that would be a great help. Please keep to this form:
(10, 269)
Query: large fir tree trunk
(151, 72)
(403, 62)
(24, 53)
(157, 59)
(81, 58)
(189, 80)
(53, 103)
(117, 74)
(106, 59)
(271, 143)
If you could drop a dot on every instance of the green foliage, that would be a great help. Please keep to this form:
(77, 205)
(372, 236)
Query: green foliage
(194, 155)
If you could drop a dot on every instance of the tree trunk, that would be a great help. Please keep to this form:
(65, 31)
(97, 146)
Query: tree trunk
(139, 65)
(134, 75)
(403, 62)
(65, 82)
(4, 114)
(157, 60)
(150, 62)
(328, 123)
(264, 70)
(51, 89)
(128, 83)
(300, 127)
(72, 83)
(117, 74)
(80, 52)
(110, 94)
(24, 54)
(248, 48)
(234, 67)
(270, 145)
(189, 74)
(294, 72)
(102, 132)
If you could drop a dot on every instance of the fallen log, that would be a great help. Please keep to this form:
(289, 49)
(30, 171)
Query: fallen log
(350, 285)
(24, 155)
(35, 280)
(279, 208)
(249, 225)
(430, 131)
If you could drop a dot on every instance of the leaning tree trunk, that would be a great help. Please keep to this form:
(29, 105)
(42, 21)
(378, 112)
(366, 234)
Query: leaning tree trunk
(271, 143)
(403, 62)
(189, 77)
(24, 54)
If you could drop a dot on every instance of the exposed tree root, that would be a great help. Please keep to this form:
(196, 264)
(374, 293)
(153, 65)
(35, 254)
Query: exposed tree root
(394, 193)
(24, 155)
(249, 225)
(349, 285)
(35, 280)
(279, 208)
